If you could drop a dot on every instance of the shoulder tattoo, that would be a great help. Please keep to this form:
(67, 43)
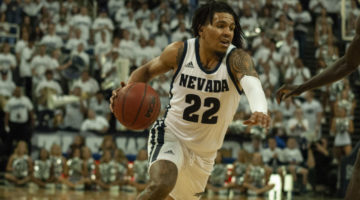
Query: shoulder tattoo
(242, 64)
(179, 55)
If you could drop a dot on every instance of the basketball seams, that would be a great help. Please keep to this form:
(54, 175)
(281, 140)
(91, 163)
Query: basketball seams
(140, 106)
(124, 100)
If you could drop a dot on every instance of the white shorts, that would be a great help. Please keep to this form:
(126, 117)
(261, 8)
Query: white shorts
(193, 170)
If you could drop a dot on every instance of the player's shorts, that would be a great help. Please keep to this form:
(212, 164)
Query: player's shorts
(193, 169)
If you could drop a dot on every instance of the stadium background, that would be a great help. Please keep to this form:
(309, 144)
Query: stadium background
(67, 56)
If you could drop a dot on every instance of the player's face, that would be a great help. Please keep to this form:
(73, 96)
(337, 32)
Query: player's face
(219, 34)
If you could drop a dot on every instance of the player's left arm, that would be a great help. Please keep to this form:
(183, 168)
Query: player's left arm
(242, 67)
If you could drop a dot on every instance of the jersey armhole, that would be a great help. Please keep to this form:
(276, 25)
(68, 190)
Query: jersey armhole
(230, 74)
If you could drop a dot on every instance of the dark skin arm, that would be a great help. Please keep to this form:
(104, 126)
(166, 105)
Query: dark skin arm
(341, 68)
(242, 65)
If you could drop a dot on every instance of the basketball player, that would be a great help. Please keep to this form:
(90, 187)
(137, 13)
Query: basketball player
(210, 71)
(341, 68)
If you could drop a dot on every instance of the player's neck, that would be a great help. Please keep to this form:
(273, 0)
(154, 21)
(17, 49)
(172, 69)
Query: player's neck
(208, 58)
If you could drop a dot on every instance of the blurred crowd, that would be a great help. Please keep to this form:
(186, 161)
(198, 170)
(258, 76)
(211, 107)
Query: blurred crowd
(60, 60)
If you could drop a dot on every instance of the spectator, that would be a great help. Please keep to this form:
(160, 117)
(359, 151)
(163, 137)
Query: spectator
(143, 13)
(181, 34)
(239, 171)
(7, 60)
(102, 24)
(39, 64)
(142, 53)
(248, 21)
(102, 48)
(218, 175)
(83, 22)
(89, 166)
(151, 24)
(298, 73)
(19, 117)
(7, 87)
(80, 53)
(287, 108)
(140, 171)
(62, 29)
(45, 89)
(316, 6)
(74, 171)
(21, 44)
(313, 113)
(88, 85)
(328, 51)
(108, 144)
(121, 162)
(139, 31)
(51, 40)
(106, 172)
(58, 161)
(341, 128)
(93, 123)
(114, 5)
(19, 166)
(128, 22)
(256, 179)
(123, 12)
(100, 106)
(25, 70)
(298, 125)
(74, 112)
(42, 169)
(294, 160)
(32, 8)
(75, 40)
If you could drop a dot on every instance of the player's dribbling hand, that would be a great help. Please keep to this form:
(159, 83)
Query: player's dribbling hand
(285, 92)
(114, 94)
(258, 118)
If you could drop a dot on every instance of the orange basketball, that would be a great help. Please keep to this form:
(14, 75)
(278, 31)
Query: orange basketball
(136, 106)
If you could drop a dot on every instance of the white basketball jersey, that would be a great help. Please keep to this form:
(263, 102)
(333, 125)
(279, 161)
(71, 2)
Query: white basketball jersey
(202, 103)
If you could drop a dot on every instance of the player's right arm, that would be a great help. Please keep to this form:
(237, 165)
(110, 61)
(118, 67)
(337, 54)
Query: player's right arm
(341, 68)
(168, 60)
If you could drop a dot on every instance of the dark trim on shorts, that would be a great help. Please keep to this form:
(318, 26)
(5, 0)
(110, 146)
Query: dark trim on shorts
(160, 133)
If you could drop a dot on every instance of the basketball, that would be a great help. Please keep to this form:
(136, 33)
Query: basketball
(136, 106)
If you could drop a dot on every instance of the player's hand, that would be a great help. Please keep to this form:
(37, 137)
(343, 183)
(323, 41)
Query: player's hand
(114, 94)
(258, 118)
(286, 91)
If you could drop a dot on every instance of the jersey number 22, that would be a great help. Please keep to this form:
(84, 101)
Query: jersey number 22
(207, 116)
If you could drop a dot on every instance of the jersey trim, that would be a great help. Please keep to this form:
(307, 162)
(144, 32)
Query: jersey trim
(230, 74)
(197, 53)
(174, 76)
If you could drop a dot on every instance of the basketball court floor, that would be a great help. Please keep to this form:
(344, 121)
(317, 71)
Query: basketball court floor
(27, 193)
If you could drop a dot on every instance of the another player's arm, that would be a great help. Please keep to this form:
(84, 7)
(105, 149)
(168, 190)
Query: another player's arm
(243, 69)
(341, 68)
(168, 60)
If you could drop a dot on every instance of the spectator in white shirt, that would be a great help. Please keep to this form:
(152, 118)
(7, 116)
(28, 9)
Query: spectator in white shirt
(7, 60)
(82, 54)
(273, 156)
(102, 24)
(298, 73)
(115, 5)
(313, 113)
(127, 46)
(39, 64)
(52, 7)
(143, 12)
(298, 125)
(75, 111)
(151, 24)
(128, 22)
(287, 108)
(316, 6)
(153, 50)
(181, 34)
(100, 105)
(294, 159)
(7, 87)
(21, 44)
(122, 13)
(19, 117)
(139, 31)
(45, 89)
(25, 73)
(51, 40)
(102, 48)
(301, 18)
(248, 21)
(94, 123)
(88, 85)
(62, 29)
(75, 40)
(83, 22)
